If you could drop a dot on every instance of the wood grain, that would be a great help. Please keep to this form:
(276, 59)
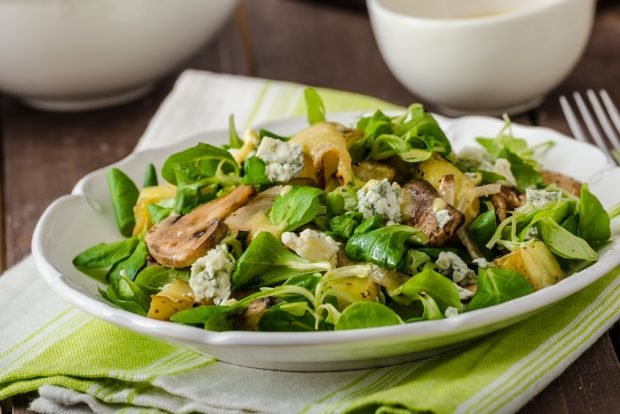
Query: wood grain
(43, 154)
(590, 385)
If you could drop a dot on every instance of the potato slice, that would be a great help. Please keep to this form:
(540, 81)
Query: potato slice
(174, 297)
(150, 195)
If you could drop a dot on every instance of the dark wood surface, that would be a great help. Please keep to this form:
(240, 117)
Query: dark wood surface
(44, 154)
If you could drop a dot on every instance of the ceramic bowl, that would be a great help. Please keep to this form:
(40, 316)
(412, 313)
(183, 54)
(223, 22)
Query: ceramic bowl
(74, 222)
(84, 54)
(481, 56)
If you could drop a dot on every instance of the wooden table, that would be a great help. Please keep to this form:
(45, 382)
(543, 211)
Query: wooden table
(44, 154)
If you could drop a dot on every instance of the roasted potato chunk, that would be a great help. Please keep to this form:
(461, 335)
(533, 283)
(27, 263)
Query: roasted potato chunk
(174, 297)
(535, 262)
(353, 289)
(368, 170)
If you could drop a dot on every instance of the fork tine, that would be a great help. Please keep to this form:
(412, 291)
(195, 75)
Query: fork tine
(602, 118)
(612, 110)
(573, 123)
(592, 128)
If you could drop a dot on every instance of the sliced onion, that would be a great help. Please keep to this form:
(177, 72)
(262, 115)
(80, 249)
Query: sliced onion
(385, 277)
(446, 188)
(244, 218)
(469, 243)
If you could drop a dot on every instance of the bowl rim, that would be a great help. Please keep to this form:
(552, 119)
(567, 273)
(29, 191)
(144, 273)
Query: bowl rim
(377, 7)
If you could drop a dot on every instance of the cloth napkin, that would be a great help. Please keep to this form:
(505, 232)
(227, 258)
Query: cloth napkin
(78, 363)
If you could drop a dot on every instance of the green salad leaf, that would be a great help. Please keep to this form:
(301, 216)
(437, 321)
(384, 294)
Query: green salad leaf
(314, 106)
(563, 243)
(200, 173)
(288, 317)
(296, 208)
(130, 266)
(127, 295)
(100, 257)
(153, 278)
(340, 201)
(158, 213)
(434, 284)
(385, 246)
(255, 172)
(431, 309)
(412, 137)
(415, 260)
(371, 223)
(497, 286)
(234, 141)
(266, 262)
(344, 226)
(198, 162)
(482, 230)
(262, 133)
(594, 223)
(525, 173)
(362, 315)
(421, 130)
(202, 314)
(150, 176)
(124, 195)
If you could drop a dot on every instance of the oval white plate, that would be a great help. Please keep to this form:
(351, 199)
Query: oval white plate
(77, 221)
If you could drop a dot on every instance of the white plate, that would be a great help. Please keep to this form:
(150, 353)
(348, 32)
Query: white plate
(74, 222)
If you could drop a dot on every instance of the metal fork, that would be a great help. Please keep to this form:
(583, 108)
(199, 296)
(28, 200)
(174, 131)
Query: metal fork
(606, 113)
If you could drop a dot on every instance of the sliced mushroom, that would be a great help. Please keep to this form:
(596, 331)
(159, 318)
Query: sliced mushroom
(178, 241)
(421, 205)
(563, 181)
(506, 200)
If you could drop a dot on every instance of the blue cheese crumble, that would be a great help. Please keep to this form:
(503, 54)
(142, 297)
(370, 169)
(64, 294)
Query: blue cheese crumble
(443, 217)
(312, 245)
(283, 161)
(451, 312)
(464, 294)
(541, 198)
(481, 262)
(380, 198)
(451, 265)
(210, 275)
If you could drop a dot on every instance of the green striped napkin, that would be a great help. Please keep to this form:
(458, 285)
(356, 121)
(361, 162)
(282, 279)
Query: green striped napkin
(78, 363)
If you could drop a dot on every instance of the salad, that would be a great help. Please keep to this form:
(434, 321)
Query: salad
(343, 227)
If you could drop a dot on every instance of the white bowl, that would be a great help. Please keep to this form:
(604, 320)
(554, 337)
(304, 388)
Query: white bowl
(74, 222)
(481, 56)
(84, 54)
